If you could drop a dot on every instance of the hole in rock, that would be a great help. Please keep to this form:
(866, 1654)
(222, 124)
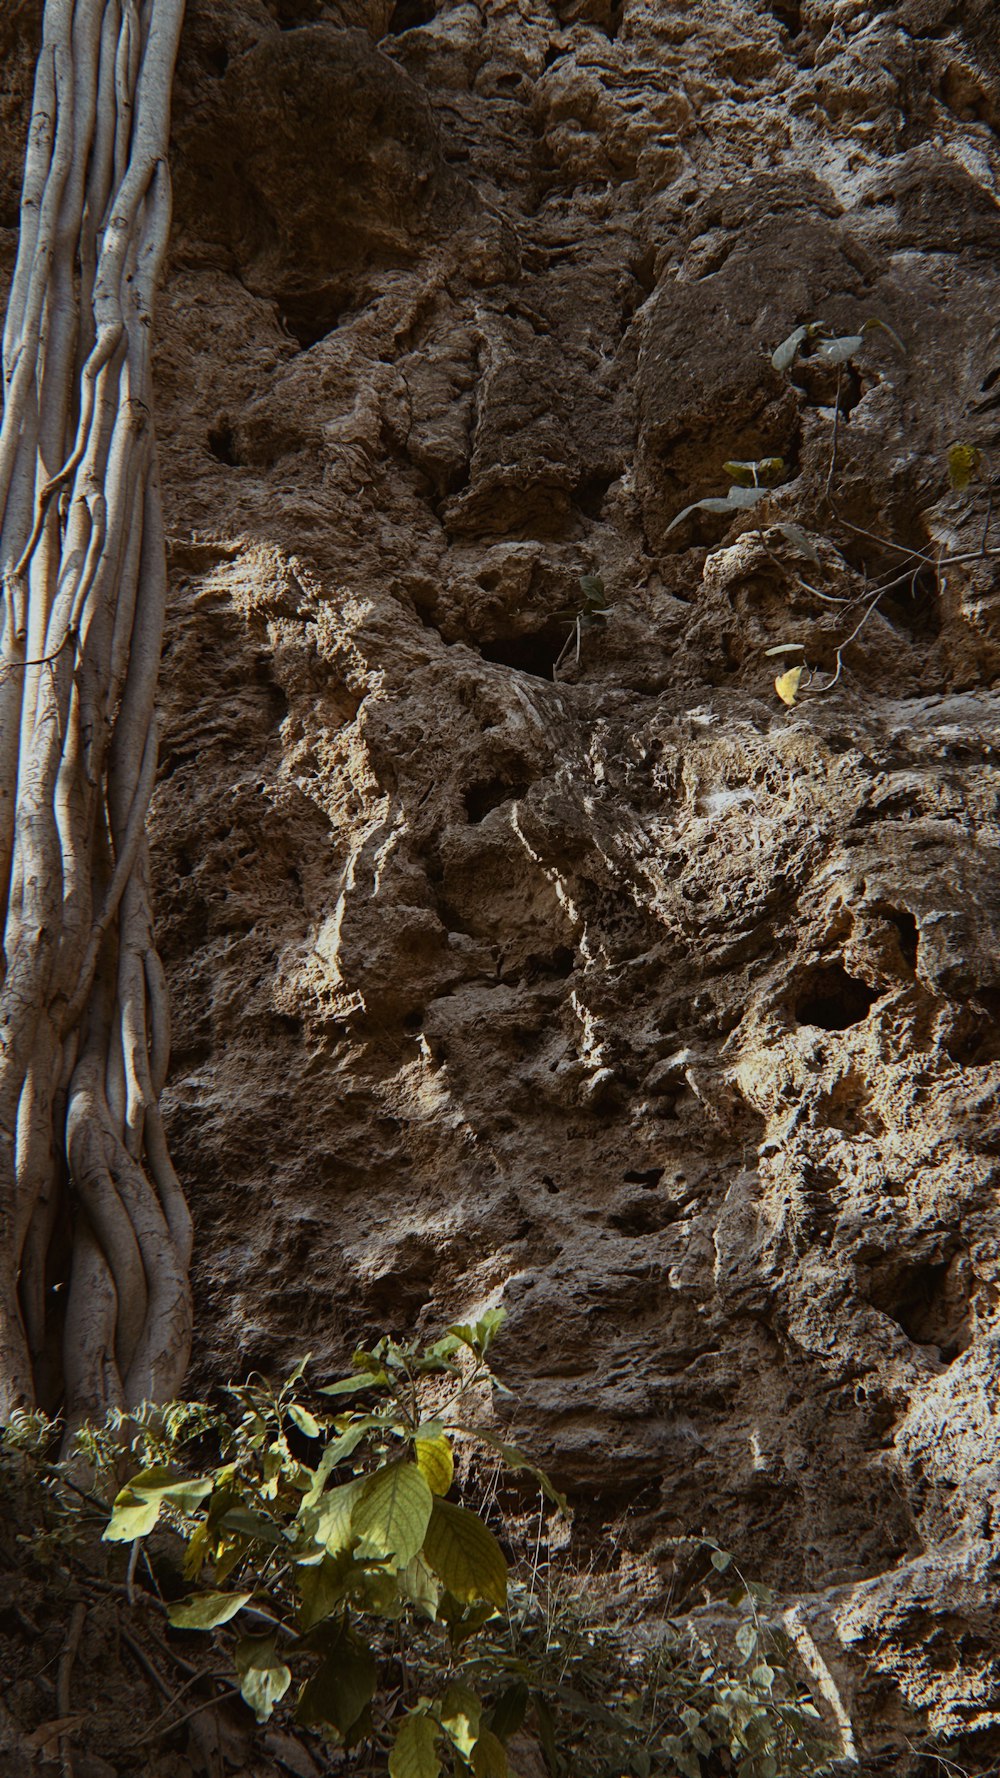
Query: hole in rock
(789, 14)
(549, 1183)
(408, 15)
(989, 379)
(833, 1000)
(649, 1177)
(217, 60)
(914, 608)
(591, 494)
(222, 445)
(311, 315)
(643, 1216)
(909, 933)
(558, 964)
(929, 1300)
(481, 798)
(536, 654)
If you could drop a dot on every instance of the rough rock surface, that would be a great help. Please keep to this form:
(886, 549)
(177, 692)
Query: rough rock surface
(566, 967)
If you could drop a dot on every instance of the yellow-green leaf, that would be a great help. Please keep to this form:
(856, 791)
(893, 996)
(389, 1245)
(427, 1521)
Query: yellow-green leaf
(435, 1462)
(787, 685)
(465, 1555)
(204, 1611)
(392, 1514)
(419, 1586)
(489, 1759)
(459, 1716)
(264, 1678)
(323, 1588)
(414, 1753)
(302, 1418)
(137, 1506)
(963, 463)
(330, 1522)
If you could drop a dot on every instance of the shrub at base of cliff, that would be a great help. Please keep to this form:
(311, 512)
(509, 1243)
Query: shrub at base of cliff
(315, 1567)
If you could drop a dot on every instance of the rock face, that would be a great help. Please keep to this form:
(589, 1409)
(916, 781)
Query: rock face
(524, 946)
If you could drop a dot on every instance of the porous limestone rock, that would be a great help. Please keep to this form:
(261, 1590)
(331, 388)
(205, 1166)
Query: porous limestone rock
(560, 965)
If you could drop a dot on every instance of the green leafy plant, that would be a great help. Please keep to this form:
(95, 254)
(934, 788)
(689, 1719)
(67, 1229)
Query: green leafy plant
(750, 481)
(825, 345)
(343, 1552)
(316, 1563)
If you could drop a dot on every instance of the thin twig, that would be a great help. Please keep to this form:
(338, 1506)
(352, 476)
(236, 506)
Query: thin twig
(833, 447)
(206, 1704)
(66, 1660)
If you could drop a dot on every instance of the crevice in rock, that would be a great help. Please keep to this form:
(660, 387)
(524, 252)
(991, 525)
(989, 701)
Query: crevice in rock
(409, 15)
(482, 797)
(535, 652)
(834, 1000)
(930, 1300)
(222, 444)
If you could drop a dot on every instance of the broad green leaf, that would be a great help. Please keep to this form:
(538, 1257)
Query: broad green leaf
(134, 1516)
(744, 474)
(433, 1455)
(298, 1371)
(323, 1588)
(508, 1712)
(465, 1555)
(329, 1522)
(746, 1640)
(253, 1525)
(463, 1621)
(343, 1685)
(378, 1590)
(720, 1561)
(420, 1587)
(393, 1512)
(353, 1385)
(459, 1715)
(479, 1335)
(763, 1675)
(488, 1758)
(264, 1678)
(302, 1418)
(137, 1506)
(414, 1753)
(196, 1554)
(204, 1611)
(963, 463)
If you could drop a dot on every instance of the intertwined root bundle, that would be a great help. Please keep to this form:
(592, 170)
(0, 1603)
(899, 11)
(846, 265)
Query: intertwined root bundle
(86, 1184)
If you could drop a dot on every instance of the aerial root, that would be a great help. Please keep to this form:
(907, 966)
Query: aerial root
(86, 1184)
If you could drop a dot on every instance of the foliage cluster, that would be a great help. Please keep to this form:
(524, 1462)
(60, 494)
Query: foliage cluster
(321, 1551)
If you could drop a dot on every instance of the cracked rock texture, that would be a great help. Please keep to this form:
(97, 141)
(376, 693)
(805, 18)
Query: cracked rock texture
(561, 965)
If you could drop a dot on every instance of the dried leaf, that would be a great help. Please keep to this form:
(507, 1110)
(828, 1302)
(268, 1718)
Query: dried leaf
(787, 685)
